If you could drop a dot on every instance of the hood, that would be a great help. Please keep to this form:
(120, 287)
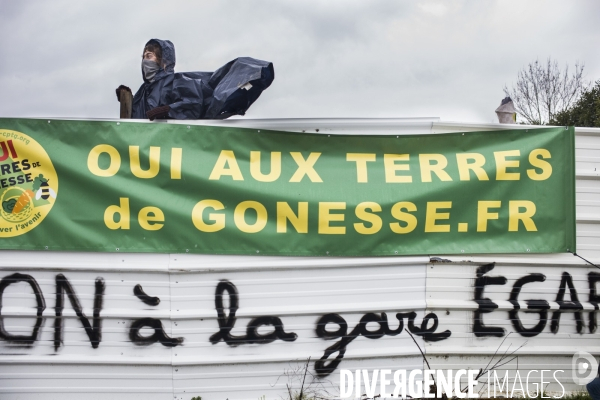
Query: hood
(168, 56)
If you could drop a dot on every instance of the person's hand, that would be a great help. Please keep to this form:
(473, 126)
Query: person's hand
(158, 112)
(118, 90)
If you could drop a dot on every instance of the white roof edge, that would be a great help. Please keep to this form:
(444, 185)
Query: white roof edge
(340, 125)
(242, 120)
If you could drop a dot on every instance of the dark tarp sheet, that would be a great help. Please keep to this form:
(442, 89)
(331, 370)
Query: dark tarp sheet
(228, 91)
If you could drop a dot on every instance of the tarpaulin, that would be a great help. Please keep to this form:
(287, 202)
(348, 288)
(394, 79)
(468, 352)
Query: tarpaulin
(228, 91)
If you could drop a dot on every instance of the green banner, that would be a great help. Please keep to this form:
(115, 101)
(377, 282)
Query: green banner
(173, 188)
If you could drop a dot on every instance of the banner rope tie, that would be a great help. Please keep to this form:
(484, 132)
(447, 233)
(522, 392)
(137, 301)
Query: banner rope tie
(587, 261)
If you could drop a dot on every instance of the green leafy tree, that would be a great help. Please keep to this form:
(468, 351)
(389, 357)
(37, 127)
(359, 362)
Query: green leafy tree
(585, 112)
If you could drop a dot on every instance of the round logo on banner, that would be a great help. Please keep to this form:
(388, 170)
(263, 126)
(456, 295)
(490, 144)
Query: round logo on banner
(28, 183)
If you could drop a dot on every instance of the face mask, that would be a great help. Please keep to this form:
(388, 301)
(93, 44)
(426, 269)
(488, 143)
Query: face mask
(149, 69)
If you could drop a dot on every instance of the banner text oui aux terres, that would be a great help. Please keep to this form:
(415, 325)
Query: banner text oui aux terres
(170, 188)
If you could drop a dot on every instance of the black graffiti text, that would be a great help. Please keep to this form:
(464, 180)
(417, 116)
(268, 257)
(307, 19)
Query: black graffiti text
(535, 306)
(324, 368)
(227, 322)
(159, 334)
(27, 340)
(94, 330)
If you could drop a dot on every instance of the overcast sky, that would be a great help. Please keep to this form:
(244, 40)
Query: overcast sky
(332, 58)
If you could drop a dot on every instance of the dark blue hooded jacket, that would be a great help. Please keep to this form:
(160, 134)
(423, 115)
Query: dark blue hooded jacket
(230, 90)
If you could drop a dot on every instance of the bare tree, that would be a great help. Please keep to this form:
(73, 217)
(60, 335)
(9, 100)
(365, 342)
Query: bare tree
(543, 90)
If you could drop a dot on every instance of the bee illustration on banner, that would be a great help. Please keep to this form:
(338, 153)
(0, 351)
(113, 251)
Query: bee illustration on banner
(43, 190)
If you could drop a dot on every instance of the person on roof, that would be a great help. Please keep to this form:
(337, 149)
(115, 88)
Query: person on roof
(166, 94)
